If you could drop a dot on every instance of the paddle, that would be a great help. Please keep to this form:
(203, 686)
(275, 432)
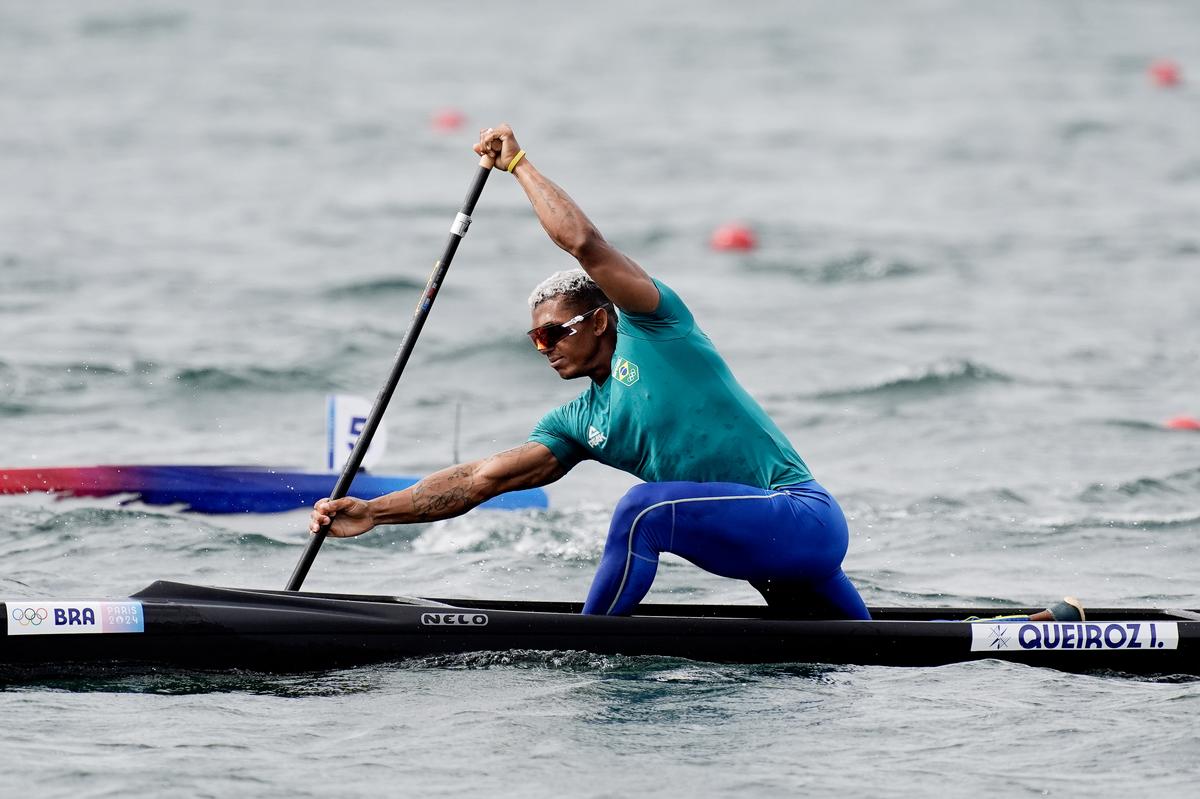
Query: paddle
(457, 231)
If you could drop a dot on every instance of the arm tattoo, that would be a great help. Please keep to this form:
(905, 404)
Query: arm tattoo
(450, 497)
(556, 201)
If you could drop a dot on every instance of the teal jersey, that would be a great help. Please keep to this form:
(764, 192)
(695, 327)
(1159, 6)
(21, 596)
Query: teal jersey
(671, 410)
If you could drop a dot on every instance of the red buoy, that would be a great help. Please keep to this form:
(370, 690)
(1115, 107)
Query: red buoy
(1165, 73)
(733, 236)
(1183, 423)
(448, 119)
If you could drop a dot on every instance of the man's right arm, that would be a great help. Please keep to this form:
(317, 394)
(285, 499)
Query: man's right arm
(450, 492)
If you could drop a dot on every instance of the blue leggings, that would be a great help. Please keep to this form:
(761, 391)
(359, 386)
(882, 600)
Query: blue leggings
(788, 543)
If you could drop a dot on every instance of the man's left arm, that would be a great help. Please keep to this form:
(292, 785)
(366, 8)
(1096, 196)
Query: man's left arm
(618, 275)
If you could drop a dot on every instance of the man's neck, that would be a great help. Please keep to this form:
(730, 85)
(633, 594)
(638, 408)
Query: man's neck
(603, 366)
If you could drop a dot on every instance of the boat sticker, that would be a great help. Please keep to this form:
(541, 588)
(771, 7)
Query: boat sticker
(1046, 636)
(454, 619)
(69, 618)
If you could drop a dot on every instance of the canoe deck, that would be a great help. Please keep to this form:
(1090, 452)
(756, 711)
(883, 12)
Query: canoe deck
(177, 625)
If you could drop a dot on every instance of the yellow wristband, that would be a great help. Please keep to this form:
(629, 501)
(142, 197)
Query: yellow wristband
(516, 160)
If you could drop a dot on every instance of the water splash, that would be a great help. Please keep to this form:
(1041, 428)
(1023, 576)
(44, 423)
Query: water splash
(571, 535)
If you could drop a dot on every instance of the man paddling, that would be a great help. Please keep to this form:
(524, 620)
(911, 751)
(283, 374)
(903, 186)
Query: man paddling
(724, 488)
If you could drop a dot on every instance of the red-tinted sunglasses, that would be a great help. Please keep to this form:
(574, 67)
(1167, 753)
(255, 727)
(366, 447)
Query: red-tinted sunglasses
(546, 336)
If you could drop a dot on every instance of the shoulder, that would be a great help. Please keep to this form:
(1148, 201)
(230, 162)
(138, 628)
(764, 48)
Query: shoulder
(562, 431)
(568, 414)
(671, 317)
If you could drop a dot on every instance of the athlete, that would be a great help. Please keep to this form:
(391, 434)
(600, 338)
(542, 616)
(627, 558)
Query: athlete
(723, 486)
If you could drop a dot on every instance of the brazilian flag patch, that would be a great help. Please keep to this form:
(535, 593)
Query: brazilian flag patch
(626, 372)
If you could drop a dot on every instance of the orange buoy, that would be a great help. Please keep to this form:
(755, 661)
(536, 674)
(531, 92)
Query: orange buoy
(448, 119)
(1183, 423)
(733, 236)
(1165, 73)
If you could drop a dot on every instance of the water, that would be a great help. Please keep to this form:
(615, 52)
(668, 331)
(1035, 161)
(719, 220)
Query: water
(973, 305)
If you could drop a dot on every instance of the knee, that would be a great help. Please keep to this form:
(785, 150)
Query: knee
(636, 500)
(636, 513)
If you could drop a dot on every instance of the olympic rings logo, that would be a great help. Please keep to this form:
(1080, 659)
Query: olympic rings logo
(29, 616)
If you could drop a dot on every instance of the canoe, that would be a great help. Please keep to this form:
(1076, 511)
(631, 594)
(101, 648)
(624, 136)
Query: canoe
(220, 489)
(180, 626)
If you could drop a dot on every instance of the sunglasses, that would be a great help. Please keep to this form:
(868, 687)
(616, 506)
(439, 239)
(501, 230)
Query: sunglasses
(546, 336)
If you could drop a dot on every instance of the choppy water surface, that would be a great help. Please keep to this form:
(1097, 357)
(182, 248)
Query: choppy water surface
(973, 306)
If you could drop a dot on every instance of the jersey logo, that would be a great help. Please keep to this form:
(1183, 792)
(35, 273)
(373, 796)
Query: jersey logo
(626, 371)
(595, 437)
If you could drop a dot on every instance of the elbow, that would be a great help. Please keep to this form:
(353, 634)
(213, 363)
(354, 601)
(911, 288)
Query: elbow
(483, 488)
(583, 243)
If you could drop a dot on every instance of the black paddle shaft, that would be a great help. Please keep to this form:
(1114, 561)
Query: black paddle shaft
(457, 231)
